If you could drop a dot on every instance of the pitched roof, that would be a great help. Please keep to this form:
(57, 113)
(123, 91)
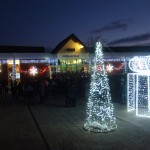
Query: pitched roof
(21, 49)
(62, 43)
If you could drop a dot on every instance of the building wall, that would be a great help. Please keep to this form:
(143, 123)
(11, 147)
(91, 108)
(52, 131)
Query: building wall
(4, 72)
(74, 45)
(70, 56)
(72, 50)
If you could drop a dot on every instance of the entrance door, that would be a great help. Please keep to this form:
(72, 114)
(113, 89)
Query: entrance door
(69, 68)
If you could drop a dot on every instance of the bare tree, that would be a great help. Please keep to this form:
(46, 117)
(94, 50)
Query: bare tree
(93, 39)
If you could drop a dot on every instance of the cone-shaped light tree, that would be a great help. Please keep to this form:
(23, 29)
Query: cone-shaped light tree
(99, 110)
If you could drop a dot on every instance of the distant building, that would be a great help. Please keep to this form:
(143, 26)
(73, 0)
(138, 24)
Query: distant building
(71, 55)
(16, 63)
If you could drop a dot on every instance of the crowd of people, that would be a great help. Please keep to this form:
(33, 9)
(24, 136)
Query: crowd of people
(69, 85)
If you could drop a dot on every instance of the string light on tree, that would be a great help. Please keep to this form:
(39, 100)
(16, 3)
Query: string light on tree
(99, 110)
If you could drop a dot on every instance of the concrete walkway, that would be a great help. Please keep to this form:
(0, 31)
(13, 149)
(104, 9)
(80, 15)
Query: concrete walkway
(55, 127)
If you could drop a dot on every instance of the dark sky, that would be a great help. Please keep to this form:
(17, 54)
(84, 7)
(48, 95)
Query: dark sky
(47, 22)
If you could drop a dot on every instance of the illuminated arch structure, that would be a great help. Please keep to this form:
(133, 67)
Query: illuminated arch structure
(138, 86)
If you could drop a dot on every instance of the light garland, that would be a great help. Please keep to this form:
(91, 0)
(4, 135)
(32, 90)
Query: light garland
(138, 94)
(114, 59)
(138, 86)
(99, 107)
(14, 69)
(131, 91)
(142, 96)
(140, 64)
(38, 70)
(33, 71)
(109, 67)
(56, 66)
(38, 61)
(3, 61)
(111, 59)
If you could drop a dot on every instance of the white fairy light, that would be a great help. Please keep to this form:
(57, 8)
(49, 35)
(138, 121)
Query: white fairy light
(140, 64)
(114, 59)
(100, 116)
(138, 89)
(131, 92)
(14, 69)
(138, 94)
(37, 61)
(142, 96)
(109, 68)
(33, 70)
(2, 61)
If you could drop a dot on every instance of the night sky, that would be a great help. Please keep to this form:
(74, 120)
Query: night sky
(48, 22)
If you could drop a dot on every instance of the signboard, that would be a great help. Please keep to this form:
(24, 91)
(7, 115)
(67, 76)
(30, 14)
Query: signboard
(73, 56)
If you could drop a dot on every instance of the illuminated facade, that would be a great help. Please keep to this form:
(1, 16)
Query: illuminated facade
(21, 66)
(72, 55)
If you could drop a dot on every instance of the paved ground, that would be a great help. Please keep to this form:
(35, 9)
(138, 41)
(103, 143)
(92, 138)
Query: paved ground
(52, 126)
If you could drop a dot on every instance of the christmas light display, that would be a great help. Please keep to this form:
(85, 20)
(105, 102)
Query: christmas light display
(109, 68)
(138, 92)
(42, 70)
(140, 64)
(143, 95)
(14, 69)
(49, 61)
(3, 61)
(100, 116)
(131, 91)
(56, 65)
(33, 70)
(114, 59)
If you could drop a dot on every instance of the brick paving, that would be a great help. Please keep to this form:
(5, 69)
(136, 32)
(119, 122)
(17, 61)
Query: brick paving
(53, 126)
(18, 130)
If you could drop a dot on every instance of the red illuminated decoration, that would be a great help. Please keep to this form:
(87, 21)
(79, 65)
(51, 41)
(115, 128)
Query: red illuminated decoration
(42, 70)
(110, 67)
(119, 67)
(23, 71)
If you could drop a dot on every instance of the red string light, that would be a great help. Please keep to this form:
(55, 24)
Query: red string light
(42, 70)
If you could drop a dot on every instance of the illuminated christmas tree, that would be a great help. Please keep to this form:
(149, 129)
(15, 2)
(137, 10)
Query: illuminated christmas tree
(100, 116)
